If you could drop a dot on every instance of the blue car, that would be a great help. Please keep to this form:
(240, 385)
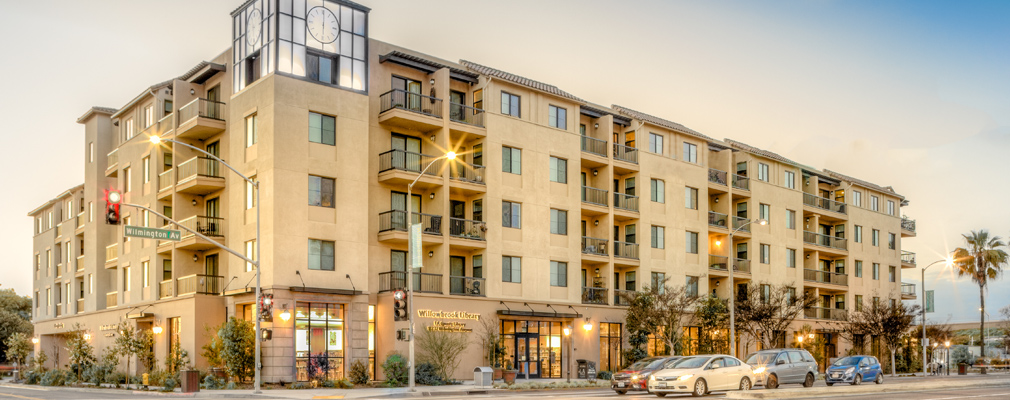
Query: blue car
(854, 370)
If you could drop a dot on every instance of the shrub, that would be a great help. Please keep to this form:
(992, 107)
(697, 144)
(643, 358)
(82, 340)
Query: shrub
(299, 385)
(427, 374)
(212, 383)
(359, 372)
(606, 375)
(231, 385)
(169, 385)
(395, 369)
(54, 377)
(337, 384)
(117, 378)
(31, 377)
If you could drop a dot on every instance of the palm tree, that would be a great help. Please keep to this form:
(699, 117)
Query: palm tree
(982, 259)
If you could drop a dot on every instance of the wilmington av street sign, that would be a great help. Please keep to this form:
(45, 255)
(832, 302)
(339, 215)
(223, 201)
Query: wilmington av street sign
(152, 233)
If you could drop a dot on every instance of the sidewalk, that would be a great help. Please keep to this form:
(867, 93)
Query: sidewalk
(896, 384)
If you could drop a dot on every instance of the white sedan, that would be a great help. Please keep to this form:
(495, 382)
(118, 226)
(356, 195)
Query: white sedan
(699, 375)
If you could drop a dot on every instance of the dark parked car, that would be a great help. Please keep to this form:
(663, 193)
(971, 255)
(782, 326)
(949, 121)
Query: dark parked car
(773, 367)
(635, 376)
(854, 370)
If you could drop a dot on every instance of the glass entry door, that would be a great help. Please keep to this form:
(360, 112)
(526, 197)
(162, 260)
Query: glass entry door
(528, 355)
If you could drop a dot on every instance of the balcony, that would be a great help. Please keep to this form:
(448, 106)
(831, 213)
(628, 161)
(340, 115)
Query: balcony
(594, 201)
(825, 241)
(200, 176)
(59, 310)
(907, 259)
(594, 147)
(200, 284)
(818, 276)
(393, 226)
(718, 264)
(165, 289)
(80, 263)
(626, 202)
(165, 125)
(80, 224)
(626, 250)
(201, 119)
(717, 177)
(741, 224)
(467, 286)
(595, 247)
(166, 180)
(467, 233)
(833, 314)
(822, 203)
(59, 230)
(625, 153)
(111, 299)
(718, 220)
(592, 295)
(80, 306)
(400, 167)
(622, 297)
(908, 291)
(211, 227)
(741, 182)
(467, 120)
(397, 280)
(907, 227)
(111, 255)
(466, 179)
(112, 170)
(414, 111)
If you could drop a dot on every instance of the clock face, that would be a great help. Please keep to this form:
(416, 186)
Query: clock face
(322, 24)
(254, 27)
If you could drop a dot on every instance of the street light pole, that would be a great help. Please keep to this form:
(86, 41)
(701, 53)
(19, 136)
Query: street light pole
(948, 263)
(732, 296)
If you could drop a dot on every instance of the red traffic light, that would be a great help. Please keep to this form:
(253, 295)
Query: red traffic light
(112, 200)
(400, 308)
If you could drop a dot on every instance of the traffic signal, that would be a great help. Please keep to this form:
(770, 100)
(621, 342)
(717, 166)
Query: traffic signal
(112, 200)
(266, 307)
(400, 308)
(266, 334)
(403, 335)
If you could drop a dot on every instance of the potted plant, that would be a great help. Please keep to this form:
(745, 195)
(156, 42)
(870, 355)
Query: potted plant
(509, 374)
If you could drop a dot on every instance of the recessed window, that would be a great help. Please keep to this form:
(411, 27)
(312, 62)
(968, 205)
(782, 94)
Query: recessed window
(658, 190)
(875, 238)
(857, 198)
(858, 234)
(790, 219)
(658, 282)
(145, 271)
(322, 129)
(874, 203)
(892, 241)
(559, 222)
(250, 253)
(251, 135)
(890, 207)
(876, 271)
(559, 274)
(691, 285)
(690, 153)
(478, 99)
(321, 255)
(691, 198)
(511, 215)
(557, 117)
(892, 273)
(321, 191)
(511, 160)
(763, 172)
(766, 254)
(692, 242)
(321, 68)
(250, 193)
(859, 268)
(559, 170)
(765, 212)
(789, 180)
(658, 237)
(655, 143)
(511, 269)
(128, 177)
(791, 258)
(510, 104)
(147, 169)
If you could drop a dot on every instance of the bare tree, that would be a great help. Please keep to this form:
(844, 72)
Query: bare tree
(661, 311)
(887, 322)
(442, 348)
(768, 310)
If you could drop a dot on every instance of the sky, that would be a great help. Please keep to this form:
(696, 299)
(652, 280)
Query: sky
(909, 94)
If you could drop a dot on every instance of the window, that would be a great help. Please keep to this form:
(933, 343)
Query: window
(91, 211)
(319, 338)
(511, 160)
(126, 279)
(690, 153)
(91, 152)
(250, 193)
(321, 191)
(690, 198)
(321, 255)
(692, 242)
(790, 219)
(763, 172)
(789, 180)
(655, 143)
(891, 241)
(557, 117)
(875, 239)
(658, 192)
(874, 203)
(167, 104)
(692, 286)
(166, 270)
(167, 161)
(890, 207)
(791, 297)
(765, 212)
(876, 271)
(322, 129)
(791, 258)
(559, 222)
(658, 282)
(658, 237)
(318, 67)
(559, 170)
(857, 198)
(128, 177)
(559, 274)
(251, 131)
(511, 215)
(250, 253)
(478, 99)
(511, 269)
(630, 280)
(859, 268)
(766, 254)
(859, 302)
(510, 104)
(147, 169)
(858, 234)
(148, 116)
(892, 273)
(128, 128)
(766, 293)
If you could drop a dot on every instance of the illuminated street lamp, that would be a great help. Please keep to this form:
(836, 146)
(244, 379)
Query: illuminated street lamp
(947, 263)
(568, 333)
(732, 297)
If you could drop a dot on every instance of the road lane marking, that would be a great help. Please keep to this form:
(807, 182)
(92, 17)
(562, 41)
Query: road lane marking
(20, 397)
(1006, 395)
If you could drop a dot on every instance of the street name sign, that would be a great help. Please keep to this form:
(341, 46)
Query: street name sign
(152, 233)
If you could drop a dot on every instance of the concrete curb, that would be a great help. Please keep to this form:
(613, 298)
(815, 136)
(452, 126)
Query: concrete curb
(849, 390)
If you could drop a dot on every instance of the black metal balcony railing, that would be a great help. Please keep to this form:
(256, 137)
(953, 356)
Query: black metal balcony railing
(467, 286)
(823, 203)
(625, 202)
(199, 166)
(908, 224)
(741, 182)
(908, 257)
(717, 176)
(396, 220)
(467, 229)
(592, 295)
(415, 102)
(202, 108)
(397, 280)
(594, 246)
(834, 278)
(625, 153)
(201, 284)
(717, 219)
(410, 161)
(466, 114)
(594, 146)
(622, 297)
(466, 172)
(833, 314)
(908, 289)
(741, 224)
(595, 196)
(825, 240)
(207, 226)
(626, 250)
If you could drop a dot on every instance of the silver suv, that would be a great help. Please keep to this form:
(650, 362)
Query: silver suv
(773, 367)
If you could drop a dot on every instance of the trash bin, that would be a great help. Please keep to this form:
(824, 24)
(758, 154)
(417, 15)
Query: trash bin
(962, 369)
(981, 370)
(483, 377)
(582, 369)
(190, 381)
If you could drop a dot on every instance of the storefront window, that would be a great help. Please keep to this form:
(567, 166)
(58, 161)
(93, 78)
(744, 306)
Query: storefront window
(371, 342)
(534, 347)
(319, 341)
(174, 332)
(610, 347)
(656, 346)
(690, 340)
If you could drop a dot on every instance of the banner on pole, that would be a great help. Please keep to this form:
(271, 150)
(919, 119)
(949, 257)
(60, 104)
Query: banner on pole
(415, 245)
(929, 301)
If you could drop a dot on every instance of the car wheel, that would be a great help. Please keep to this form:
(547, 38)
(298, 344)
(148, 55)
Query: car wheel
(809, 381)
(857, 380)
(622, 392)
(660, 394)
(772, 383)
(830, 383)
(880, 378)
(745, 383)
(700, 388)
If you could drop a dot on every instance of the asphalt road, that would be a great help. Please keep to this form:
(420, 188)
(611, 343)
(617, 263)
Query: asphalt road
(46, 394)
